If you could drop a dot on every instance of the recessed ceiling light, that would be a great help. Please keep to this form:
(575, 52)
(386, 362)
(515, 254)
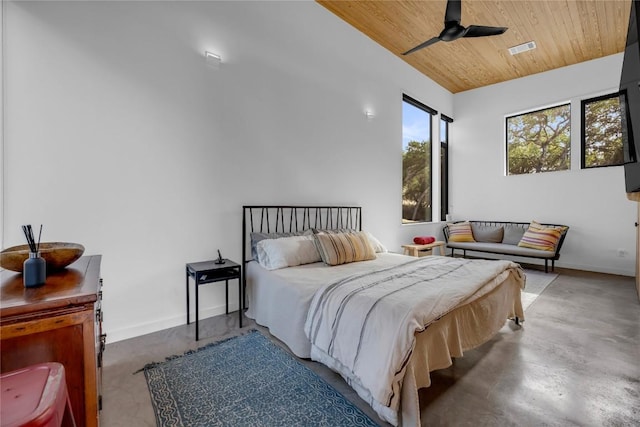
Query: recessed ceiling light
(522, 48)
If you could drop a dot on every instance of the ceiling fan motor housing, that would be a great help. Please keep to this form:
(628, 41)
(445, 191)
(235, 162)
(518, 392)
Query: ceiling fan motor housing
(452, 31)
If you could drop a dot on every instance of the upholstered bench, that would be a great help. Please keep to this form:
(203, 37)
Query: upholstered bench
(524, 239)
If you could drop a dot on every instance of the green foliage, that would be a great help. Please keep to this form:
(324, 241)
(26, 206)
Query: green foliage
(603, 133)
(416, 182)
(539, 141)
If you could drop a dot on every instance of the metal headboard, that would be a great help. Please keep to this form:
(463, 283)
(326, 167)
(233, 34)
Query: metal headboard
(286, 219)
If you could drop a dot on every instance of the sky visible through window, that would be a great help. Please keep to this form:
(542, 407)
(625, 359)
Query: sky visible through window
(416, 164)
(443, 131)
(415, 125)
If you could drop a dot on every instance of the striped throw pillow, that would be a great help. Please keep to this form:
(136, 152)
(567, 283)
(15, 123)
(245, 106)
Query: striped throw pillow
(541, 237)
(375, 243)
(460, 232)
(343, 248)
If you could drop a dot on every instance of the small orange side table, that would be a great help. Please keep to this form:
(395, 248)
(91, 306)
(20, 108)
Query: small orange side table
(35, 396)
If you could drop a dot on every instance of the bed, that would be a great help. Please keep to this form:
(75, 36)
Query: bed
(355, 317)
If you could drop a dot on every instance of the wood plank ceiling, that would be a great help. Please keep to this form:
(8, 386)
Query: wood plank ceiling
(566, 32)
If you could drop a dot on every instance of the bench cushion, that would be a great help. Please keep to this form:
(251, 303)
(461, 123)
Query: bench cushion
(501, 248)
(487, 232)
(513, 233)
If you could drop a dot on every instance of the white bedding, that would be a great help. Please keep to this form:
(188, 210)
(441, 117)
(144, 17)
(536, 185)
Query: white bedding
(281, 299)
(365, 326)
(273, 301)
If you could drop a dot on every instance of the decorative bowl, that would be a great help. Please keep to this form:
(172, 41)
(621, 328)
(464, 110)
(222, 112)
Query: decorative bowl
(57, 255)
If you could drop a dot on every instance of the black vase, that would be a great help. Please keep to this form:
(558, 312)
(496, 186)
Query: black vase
(34, 270)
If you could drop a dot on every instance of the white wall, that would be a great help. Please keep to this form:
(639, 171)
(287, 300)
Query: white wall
(120, 138)
(591, 201)
(117, 136)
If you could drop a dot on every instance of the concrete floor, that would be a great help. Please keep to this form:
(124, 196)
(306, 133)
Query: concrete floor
(576, 362)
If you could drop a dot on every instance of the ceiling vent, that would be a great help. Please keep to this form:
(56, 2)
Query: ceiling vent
(522, 48)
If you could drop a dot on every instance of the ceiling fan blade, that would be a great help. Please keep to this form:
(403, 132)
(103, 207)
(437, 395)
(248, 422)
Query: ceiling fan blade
(454, 11)
(453, 30)
(422, 45)
(482, 31)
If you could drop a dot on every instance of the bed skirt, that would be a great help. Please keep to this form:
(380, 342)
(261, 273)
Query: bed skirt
(282, 308)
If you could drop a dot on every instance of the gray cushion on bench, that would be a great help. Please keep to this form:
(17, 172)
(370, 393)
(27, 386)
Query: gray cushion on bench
(513, 233)
(487, 233)
(501, 248)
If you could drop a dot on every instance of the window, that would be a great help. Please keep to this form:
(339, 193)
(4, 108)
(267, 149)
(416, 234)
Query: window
(602, 132)
(416, 161)
(539, 141)
(444, 166)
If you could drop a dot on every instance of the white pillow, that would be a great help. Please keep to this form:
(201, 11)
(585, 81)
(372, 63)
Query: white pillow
(287, 252)
(375, 243)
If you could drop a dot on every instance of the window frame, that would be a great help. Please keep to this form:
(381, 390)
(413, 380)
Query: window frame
(432, 112)
(444, 167)
(506, 136)
(583, 133)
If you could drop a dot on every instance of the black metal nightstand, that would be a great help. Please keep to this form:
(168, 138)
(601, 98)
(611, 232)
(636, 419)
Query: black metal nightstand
(209, 272)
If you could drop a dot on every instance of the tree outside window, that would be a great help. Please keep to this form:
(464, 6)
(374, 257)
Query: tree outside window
(416, 161)
(539, 141)
(602, 132)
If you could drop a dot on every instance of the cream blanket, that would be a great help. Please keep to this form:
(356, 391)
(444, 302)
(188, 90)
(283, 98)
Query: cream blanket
(364, 326)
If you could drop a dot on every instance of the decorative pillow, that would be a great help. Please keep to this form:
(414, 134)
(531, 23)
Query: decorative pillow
(343, 248)
(377, 246)
(423, 240)
(257, 237)
(541, 237)
(287, 252)
(487, 233)
(460, 232)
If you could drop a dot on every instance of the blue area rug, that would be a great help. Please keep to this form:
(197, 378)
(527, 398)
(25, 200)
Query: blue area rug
(245, 381)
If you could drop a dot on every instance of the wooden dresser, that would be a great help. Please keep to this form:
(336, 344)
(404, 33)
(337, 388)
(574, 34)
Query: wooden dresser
(60, 321)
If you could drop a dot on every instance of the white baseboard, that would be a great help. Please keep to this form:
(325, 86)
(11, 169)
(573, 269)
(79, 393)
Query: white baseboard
(598, 269)
(560, 264)
(164, 323)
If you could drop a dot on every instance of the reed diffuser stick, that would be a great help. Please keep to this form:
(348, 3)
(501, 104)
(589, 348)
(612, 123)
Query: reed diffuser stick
(28, 233)
(39, 236)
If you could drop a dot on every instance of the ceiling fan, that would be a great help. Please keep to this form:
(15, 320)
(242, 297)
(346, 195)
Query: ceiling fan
(453, 30)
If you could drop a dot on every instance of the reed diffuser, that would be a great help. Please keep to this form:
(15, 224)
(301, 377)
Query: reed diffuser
(34, 271)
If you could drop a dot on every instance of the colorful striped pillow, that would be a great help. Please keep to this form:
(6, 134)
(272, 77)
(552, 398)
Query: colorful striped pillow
(343, 248)
(541, 237)
(460, 232)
